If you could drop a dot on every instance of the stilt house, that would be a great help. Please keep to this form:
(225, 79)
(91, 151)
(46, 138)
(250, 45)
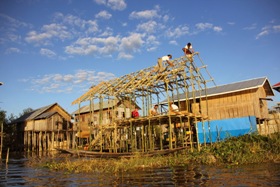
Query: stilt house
(45, 128)
(96, 114)
(234, 100)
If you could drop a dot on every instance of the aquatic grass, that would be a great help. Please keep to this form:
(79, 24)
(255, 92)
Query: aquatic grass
(233, 151)
(247, 149)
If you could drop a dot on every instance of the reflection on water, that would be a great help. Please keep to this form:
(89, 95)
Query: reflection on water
(18, 173)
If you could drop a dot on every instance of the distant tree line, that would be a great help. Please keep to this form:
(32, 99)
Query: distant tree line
(9, 129)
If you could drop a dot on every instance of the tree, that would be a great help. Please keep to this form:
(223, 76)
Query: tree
(2, 116)
(26, 111)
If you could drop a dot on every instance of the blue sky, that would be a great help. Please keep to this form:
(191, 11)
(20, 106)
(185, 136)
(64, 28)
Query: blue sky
(53, 51)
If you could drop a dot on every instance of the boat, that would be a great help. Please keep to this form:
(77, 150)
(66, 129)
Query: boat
(94, 154)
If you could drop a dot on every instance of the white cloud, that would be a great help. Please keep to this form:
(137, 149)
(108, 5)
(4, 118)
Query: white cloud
(13, 23)
(206, 26)
(146, 14)
(103, 14)
(108, 32)
(152, 43)
(47, 52)
(123, 55)
(68, 78)
(263, 33)
(59, 83)
(101, 2)
(178, 31)
(132, 43)
(149, 27)
(76, 24)
(107, 46)
(152, 40)
(12, 50)
(165, 18)
(173, 42)
(276, 28)
(14, 37)
(251, 27)
(203, 26)
(86, 46)
(269, 29)
(48, 32)
(217, 29)
(113, 4)
(231, 23)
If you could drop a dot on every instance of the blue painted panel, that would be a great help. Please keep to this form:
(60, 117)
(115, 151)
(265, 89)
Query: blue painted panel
(216, 130)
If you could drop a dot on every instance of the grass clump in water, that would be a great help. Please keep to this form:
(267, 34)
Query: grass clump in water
(245, 149)
(236, 150)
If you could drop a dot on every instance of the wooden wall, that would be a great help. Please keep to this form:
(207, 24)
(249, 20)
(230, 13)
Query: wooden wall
(85, 118)
(238, 104)
(62, 112)
(55, 122)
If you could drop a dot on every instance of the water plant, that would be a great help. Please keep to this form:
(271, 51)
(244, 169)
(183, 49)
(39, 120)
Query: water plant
(245, 149)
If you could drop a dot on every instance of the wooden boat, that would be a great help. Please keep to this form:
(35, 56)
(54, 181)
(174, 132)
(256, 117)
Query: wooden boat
(94, 154)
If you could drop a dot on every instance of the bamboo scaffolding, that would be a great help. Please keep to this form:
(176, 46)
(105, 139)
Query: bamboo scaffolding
(146, 86)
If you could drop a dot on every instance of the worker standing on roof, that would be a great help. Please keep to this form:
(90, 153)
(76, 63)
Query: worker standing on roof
(163, 63)
(189, 52)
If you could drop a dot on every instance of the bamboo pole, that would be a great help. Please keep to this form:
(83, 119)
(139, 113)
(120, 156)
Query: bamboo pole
(2, 134)
(7, 156)
(169, 117)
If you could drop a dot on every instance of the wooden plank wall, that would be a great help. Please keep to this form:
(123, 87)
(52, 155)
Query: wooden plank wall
(239, 104)
(61, 112)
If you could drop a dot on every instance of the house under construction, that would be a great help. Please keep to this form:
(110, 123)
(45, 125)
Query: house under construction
(110, 127)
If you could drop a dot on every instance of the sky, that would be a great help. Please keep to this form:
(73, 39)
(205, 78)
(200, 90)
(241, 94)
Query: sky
(54, 51)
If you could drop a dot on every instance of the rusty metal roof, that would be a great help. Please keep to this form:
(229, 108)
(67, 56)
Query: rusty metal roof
(231, 88)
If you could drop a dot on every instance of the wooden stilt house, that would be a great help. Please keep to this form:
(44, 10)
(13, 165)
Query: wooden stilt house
(232, 106)
(240, 99)
(89, 116)
(44, 129)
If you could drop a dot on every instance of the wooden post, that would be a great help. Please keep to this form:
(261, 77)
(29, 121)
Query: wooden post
(150, 135)
(2, 134)
(52, 134)
(7, 156)
(40, 141)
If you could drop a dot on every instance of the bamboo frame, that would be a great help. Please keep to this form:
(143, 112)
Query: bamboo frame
(143, 87)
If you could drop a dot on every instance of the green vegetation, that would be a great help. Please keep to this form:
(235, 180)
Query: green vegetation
(236, 150)
(241, 150)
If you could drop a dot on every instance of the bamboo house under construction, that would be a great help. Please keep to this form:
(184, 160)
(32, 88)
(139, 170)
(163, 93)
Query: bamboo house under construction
(109, 126)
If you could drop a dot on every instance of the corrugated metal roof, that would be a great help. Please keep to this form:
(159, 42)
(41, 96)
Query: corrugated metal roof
(36, 113)
(46, 115)
(231, 88)
(96, 106)
(33, 114)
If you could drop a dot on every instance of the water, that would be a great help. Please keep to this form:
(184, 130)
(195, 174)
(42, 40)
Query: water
(18, 173)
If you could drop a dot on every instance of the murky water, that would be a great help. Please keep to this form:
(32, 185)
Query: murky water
(18, 173)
